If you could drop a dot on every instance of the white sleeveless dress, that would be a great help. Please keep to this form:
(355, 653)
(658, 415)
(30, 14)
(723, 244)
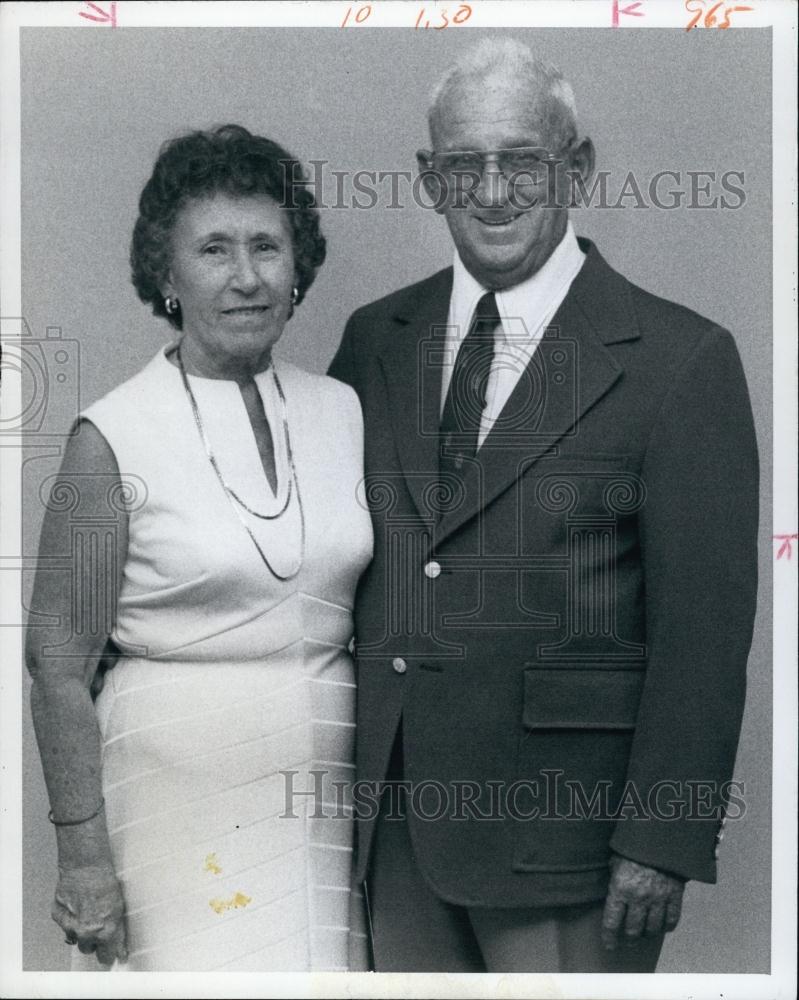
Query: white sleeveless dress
(235, 685)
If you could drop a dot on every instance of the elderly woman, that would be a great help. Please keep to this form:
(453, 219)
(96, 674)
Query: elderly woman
(221, 545)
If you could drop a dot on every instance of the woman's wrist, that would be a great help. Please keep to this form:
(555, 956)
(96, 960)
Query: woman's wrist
(86, 845)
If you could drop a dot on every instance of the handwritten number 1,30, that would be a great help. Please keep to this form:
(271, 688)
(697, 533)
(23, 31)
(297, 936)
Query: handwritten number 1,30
(462, 14)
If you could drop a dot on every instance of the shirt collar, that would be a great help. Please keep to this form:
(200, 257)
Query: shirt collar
(530, 300)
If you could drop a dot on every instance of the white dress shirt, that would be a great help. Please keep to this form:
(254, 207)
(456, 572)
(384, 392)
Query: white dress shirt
(525, 310)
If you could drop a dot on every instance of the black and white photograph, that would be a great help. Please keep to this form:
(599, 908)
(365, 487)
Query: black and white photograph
(398, 435)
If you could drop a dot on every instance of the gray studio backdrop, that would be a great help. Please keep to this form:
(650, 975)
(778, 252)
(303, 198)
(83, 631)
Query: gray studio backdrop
(97, 104)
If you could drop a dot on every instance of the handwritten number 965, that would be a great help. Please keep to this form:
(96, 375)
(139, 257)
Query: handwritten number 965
(710, 18)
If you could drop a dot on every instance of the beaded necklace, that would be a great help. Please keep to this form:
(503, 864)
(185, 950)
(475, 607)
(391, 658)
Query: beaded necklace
(235, 501)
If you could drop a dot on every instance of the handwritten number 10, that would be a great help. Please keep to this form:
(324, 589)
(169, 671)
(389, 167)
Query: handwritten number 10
(360, 15)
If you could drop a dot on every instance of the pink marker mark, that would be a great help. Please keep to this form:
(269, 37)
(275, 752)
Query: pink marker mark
(785, 548)
(630, 10)
(101, 16)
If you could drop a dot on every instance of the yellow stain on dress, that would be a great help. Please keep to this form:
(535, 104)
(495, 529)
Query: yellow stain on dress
(234, 903)
(211, 864)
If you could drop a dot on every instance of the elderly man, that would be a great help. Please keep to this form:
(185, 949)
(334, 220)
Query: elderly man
(552, 638)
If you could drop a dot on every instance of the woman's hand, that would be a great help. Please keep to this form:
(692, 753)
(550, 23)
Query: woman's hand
(90, 909)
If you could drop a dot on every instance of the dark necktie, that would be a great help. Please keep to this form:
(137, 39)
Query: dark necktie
(466, 398)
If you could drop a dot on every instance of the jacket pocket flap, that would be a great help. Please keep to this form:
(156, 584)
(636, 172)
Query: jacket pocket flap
(578, 698)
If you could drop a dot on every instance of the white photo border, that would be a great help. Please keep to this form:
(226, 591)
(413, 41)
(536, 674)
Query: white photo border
(779, 14)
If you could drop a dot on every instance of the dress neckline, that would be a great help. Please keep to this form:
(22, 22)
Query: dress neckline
(227, 392)
(171, 347)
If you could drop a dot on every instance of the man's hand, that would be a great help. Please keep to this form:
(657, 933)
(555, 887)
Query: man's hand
(642, 900)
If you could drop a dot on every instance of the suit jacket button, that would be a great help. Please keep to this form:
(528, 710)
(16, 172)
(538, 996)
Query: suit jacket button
(399, 665)
(432, 569)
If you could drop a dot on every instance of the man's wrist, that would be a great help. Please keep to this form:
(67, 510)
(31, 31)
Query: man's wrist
(615, 855)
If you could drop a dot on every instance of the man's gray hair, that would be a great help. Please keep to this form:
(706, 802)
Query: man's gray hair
(514, 59)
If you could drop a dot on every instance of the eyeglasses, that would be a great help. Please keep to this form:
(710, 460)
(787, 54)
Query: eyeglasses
(518, 164)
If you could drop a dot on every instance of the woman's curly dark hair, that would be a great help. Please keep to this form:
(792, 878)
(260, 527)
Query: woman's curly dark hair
(233, 161)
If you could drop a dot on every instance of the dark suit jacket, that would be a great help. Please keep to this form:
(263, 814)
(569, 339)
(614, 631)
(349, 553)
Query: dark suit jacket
(564, 628)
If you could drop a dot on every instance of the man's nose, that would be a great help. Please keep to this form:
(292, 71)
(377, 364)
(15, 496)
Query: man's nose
(245, 276)
(493, 187)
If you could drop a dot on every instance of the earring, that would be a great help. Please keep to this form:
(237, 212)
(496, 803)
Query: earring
(295, 294)
(171, 305)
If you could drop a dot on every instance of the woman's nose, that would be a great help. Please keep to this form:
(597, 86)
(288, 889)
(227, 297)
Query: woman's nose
(245, 277)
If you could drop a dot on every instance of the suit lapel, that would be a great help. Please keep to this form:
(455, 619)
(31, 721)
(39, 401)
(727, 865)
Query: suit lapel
(411, 361)
(570, 371)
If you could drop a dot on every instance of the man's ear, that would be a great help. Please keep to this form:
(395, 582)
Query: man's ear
(582, 158)
(433, 182)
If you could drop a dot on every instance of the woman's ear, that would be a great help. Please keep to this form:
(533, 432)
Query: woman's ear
(167, 287)
(292, 297)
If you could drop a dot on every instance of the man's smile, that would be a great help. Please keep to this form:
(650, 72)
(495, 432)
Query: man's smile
(498, 222)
